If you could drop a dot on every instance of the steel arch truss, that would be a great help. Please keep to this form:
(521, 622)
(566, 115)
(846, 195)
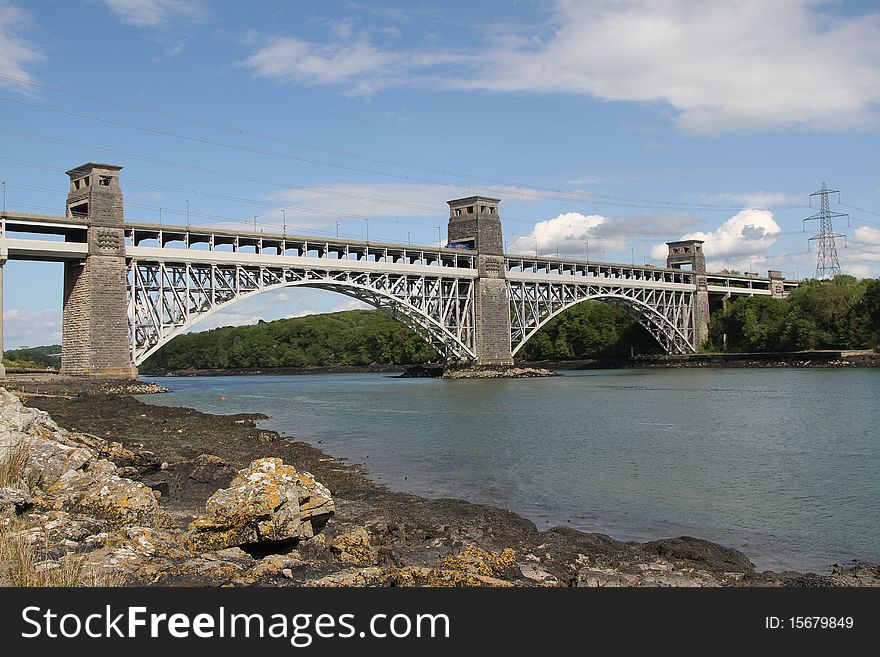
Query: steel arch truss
(667, 314)
(166, 298)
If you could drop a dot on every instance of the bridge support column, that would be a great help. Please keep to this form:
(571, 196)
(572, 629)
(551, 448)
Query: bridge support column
(688, 254)
(474, 223)
(95, 339)
(777, 284)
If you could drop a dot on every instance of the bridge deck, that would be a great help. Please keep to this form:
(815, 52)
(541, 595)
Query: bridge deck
(223, 246)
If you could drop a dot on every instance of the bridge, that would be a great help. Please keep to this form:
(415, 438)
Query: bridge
(130, 287)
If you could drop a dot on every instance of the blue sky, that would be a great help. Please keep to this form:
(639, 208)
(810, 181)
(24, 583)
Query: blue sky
(618, 124)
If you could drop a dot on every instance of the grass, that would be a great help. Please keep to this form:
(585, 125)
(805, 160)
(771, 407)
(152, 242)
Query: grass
(13, 470)
(25, 563)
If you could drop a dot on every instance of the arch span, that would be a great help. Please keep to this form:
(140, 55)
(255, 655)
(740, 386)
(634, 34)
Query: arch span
(666, 315)
(166, 301)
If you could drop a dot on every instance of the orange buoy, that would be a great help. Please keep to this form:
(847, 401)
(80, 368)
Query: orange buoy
(222, 398)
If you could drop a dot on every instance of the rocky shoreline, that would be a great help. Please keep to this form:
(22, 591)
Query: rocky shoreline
(161, 495)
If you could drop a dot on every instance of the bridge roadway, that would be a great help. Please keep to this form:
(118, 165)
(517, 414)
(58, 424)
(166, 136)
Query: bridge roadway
(209, 245)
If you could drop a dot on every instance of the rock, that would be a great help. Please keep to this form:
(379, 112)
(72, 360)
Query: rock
(141, 462)
(13, 501)
(17, 420)
(354, 547)
(49, 459)
(422, 372)
(277, 564)
(407, 576)
(57, 533)
(478, 561)
(267, 502)
(98, 491)
(209, 468)
(700, 551)
(147, 555)
(496, 372)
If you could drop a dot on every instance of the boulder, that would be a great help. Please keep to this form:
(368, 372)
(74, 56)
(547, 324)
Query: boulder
(49, 459)
(98, 491)
(208, 468)
(148, 555)
(354, 547)
(267, 502)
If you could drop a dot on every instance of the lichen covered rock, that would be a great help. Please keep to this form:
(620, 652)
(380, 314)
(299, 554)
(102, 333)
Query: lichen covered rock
(13, 500)
(354, 547)
(267, 502)
(408, 576)
(100, 492)
(477, 561)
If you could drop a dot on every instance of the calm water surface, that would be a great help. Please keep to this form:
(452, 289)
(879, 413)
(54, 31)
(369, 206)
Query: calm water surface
(782, 464)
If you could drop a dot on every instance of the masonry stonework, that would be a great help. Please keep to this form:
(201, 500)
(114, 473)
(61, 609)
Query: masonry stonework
(95, 317)
(474, 223)
(688, 254)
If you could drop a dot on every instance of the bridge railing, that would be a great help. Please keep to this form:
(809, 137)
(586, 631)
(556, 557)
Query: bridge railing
(207, 239)
(744, 284)
(601, 270)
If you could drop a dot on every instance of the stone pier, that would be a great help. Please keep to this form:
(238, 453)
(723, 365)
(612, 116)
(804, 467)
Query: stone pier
(95, 329)
(474, 223)
(688, 254)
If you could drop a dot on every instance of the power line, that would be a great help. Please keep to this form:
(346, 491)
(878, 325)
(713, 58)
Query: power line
(50, 167)
(542, 192)
(201, 215)
(219, 126)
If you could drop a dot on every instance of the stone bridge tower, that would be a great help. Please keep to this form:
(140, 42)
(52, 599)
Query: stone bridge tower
(95, 339)
(688, 254)
(474, 223)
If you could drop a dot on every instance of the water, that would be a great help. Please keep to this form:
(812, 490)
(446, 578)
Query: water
(783, 464)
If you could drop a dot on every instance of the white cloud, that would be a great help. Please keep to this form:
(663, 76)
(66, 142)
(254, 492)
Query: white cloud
(569, 232)
(16, 53)
(867, 236)
(578, 235)
(287, 58)
(728, 65)
(31, 328)
(155, 13)
(748, 233)
(744, 65)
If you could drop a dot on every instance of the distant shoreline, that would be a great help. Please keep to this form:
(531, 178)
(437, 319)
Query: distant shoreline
(794, 359)
(799, 359)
